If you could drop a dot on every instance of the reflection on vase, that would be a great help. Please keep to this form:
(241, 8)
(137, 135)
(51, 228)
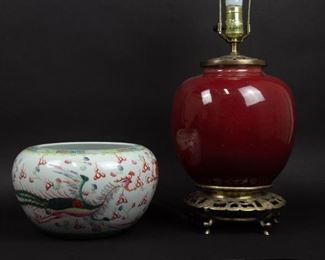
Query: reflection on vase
(206, 97)
(251, 95)
(188, 141)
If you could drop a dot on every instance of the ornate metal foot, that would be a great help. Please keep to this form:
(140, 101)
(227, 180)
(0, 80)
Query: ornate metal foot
(207, 225)
(266, 226)
(267, 222)
(245, 206)
(275, 217)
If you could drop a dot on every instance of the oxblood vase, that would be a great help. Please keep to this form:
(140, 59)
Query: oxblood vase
(233, 126)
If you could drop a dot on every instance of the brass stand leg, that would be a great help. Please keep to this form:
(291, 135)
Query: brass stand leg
(275, 218)
(207, 226)
(267, 222)
(266, 225)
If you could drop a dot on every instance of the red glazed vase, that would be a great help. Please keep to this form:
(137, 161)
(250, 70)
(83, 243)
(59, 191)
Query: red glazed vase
(233, 126)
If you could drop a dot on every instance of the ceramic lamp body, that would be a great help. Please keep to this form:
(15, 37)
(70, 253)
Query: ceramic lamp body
(233, 126)
(85, 189)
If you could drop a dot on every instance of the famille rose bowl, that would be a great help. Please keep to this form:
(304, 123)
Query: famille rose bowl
(84, 189)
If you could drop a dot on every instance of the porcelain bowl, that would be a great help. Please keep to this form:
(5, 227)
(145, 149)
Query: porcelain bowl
(84, 189)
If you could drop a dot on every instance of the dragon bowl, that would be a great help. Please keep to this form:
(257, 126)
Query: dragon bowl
(85, 189)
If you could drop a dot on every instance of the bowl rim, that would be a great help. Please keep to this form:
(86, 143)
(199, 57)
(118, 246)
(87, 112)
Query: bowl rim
(85, 147)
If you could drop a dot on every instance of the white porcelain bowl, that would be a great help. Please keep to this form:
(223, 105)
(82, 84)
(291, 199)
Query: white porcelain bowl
(85, 188)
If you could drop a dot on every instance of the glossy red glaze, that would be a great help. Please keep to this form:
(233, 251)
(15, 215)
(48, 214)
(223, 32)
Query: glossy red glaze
(234, 126)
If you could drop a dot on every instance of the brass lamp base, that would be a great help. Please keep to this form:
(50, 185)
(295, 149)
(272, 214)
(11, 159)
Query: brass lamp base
(208, 206)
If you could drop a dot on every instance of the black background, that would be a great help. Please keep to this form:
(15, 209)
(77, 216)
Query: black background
(107, 70)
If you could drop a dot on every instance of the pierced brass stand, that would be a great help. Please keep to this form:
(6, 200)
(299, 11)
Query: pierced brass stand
(210, 205)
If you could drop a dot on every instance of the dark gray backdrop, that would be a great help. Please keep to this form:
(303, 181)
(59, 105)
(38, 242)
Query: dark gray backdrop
(107, 70)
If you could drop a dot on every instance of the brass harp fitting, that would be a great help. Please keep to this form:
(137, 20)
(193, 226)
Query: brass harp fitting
(232, 29)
